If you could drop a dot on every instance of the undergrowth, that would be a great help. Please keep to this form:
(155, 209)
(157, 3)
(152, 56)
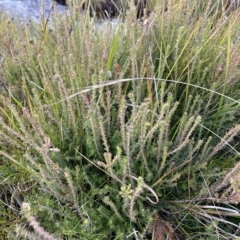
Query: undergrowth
(128, 132)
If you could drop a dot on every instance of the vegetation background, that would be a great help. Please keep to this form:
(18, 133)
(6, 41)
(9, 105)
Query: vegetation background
(128, 132)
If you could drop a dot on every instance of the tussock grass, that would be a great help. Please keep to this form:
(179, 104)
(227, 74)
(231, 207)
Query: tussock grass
(128, 132)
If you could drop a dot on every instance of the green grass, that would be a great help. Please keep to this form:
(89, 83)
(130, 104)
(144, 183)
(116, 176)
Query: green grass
(129, 132)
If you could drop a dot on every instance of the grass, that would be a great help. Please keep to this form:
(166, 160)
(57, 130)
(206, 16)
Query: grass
(129, 132)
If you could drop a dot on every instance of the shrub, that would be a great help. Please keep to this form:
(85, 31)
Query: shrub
(130, 132)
